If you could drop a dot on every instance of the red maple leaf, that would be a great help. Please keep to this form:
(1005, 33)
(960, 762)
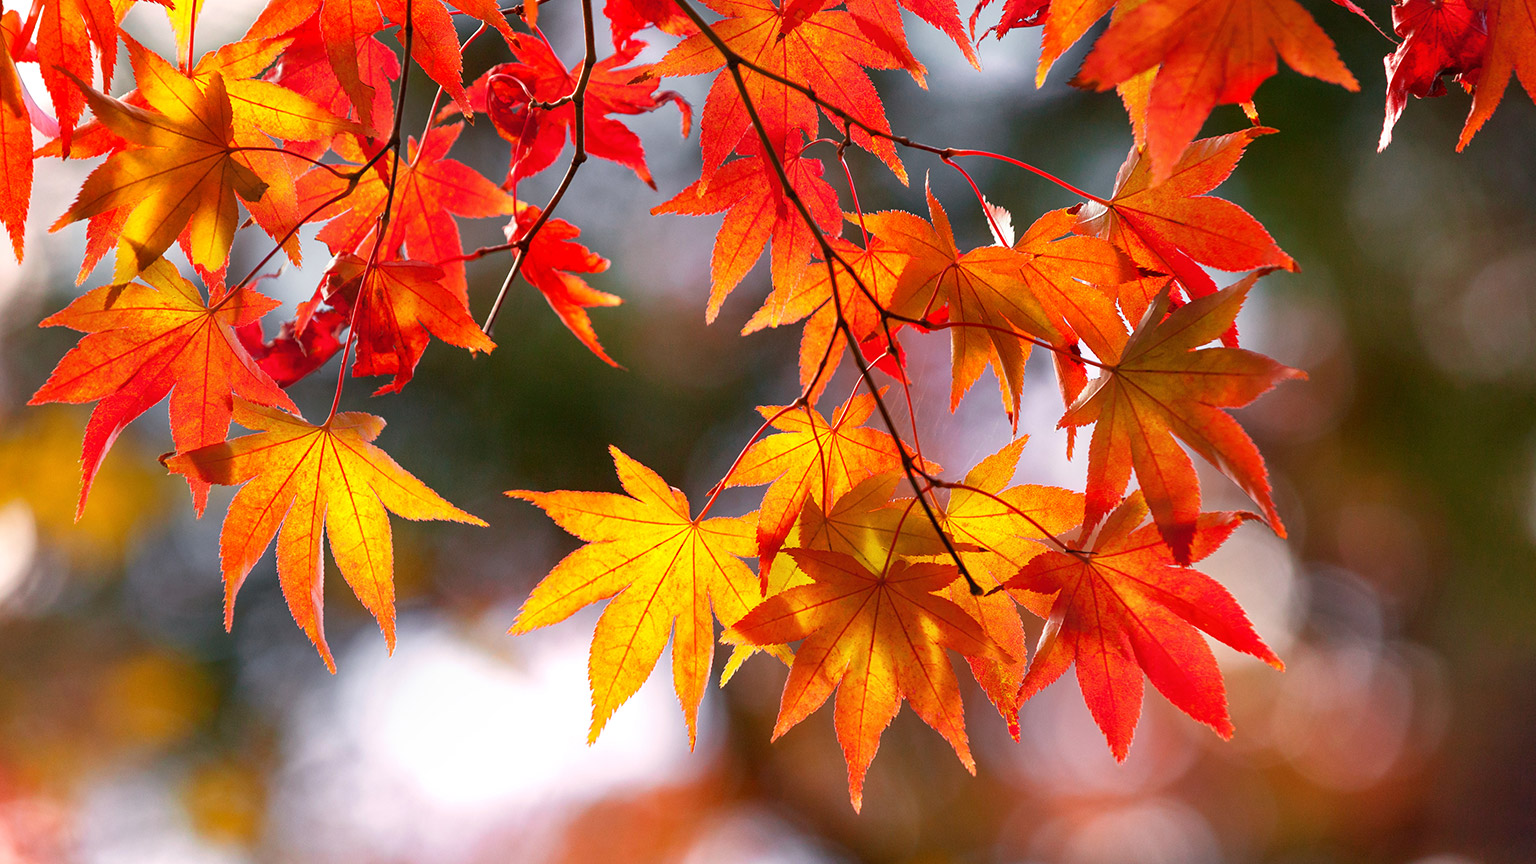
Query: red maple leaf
(1440, 37)
(538, 135)
(145, 341)
(1123, 607)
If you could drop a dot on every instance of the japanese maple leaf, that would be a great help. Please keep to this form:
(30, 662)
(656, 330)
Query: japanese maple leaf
(1511, 51)
(538, 135)
(757, 209)
(1124, 606)
(827, 51)
(400, 305)
(810, 458)
(66, 32)
(1160, 384)
(816, 295)
(15, 143)
(665, 570)
(998, 529)
(878, 638)
(1172, 226)
(431, 190)
(990, 304)
(180, 172)
(144, 341)
(1211, 52)
(313, 481)
(1440, 37)
(551, 265)
(259, 112)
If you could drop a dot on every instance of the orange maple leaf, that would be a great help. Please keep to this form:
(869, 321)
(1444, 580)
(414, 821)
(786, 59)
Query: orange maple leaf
(668, 570)
(260, 111)
(879, 637)
(1124, 606)
(145, 341)
(989, 300)
(810, 458)
(66, 32)
(1171, 227)
(1157, 385)
(313, 481)
(179, 172)
(1211, 52)
(757, 209)
(1511, 51)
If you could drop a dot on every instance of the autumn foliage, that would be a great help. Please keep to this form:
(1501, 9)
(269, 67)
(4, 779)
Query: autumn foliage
(866, 567)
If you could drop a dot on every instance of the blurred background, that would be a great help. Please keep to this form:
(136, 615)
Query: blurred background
(134, 729)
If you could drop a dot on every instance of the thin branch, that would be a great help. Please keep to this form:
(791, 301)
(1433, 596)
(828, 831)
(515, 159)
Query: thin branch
(381, 233)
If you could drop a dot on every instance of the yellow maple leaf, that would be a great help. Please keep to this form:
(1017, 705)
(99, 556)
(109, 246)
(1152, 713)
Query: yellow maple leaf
(178, 173)
(313, 481)
(664, 566)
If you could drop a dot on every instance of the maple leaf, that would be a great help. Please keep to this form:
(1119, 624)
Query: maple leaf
(313, 482)
(757, 209)
(400, 305)
(1440, 37)
(66, 32)
(551, 265)
(1211, 52)
(1172, 226)
(182, 173)
(15, 142)
(258, 109)
(430, 190)
(1158, 385)
(538, 135)
(665, 571)
(827, 51)
(1123, 606)
(985, 292)
(1511, 51)
(810, 459)
(144, 341)
(878, 638)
